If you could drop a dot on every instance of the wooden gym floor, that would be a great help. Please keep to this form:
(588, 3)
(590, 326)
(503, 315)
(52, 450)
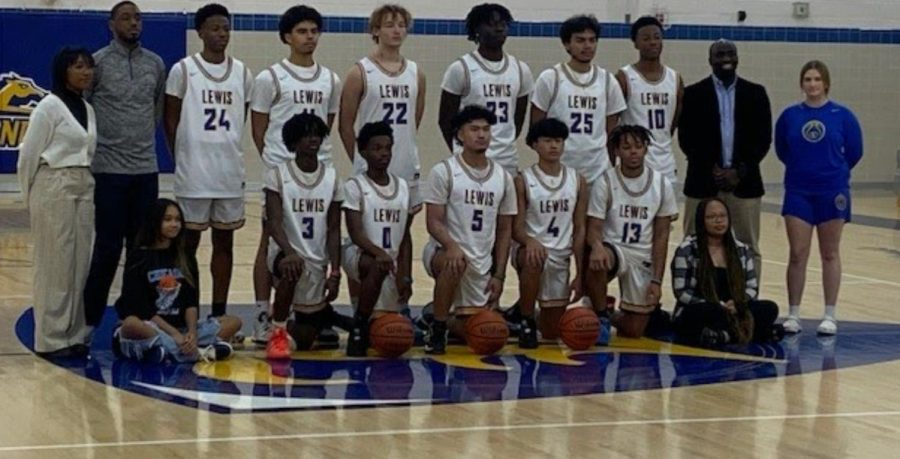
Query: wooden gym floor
(818, 398)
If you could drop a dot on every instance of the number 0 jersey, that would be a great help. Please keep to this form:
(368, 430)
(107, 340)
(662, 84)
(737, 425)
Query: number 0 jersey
(384, 210)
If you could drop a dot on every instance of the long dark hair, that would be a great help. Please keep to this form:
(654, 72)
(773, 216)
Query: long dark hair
(150, 233)
(742, 323)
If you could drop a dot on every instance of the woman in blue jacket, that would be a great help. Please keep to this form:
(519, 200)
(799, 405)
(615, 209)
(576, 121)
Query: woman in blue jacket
(819, 142)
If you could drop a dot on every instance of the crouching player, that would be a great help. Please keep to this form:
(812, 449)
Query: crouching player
(303, 213)
(379, 252)
(630, 211)
(470, 205)
(549, 227)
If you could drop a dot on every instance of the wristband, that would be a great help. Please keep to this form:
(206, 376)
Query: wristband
(656, 281)
(499, 277)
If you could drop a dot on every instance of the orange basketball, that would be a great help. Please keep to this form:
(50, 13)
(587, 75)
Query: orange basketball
(168, 281)
(391, 335)
(486, 332)
(579, 328)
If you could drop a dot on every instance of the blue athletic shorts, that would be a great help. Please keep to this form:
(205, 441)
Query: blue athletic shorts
(816, 208)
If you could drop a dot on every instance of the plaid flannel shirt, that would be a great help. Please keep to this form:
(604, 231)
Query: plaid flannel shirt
(684, 271)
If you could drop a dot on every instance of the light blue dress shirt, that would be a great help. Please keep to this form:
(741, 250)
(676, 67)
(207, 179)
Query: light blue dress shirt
(725, 94)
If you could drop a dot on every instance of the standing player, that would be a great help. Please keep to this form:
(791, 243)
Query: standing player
(385, 86)
(294, 85)
(491, 78)
(379, 253)
(303, 210)
(653, 93)
(583, 95)
(471, 204)
(630, 211)
(549, 227)
(206, 103)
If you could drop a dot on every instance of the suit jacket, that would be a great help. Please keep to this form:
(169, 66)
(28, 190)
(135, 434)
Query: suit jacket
(701, 139)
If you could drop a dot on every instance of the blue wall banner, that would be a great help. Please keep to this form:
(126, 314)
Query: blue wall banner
(30, 39)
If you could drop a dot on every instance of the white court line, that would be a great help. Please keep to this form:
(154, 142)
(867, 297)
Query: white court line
(449, 430)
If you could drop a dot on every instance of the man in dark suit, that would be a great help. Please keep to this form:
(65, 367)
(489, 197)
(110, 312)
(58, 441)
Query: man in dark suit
(725, 131)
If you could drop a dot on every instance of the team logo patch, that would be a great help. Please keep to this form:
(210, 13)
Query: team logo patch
(840, 202)
(813, 131)
(326, 379)
(18, 97)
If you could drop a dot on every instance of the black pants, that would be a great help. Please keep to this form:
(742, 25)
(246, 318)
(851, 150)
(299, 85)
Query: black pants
(120, 201)
(691, 319)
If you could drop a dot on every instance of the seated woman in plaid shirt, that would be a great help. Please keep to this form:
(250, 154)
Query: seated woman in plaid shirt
(716, 285)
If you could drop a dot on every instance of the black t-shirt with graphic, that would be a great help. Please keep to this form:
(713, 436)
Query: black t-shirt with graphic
(152, 284)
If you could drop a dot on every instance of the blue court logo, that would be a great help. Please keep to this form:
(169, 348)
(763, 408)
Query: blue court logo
(813, 131)
(18, 97)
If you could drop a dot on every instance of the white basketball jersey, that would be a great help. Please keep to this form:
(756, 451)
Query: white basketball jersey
(384, 215)
(652, 105)
(294, 95)
(209, 162)
(633, 206)
(473, 209)
(391, 98)
(550, 212)
(582, 106)
(498, 90)
(305, 207)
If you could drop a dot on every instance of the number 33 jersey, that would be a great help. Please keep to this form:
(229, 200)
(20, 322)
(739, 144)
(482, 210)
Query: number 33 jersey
(549, 216)
(209, 162)
(628, 206)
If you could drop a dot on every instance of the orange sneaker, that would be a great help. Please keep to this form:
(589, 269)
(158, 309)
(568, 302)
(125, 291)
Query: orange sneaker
(279, 346)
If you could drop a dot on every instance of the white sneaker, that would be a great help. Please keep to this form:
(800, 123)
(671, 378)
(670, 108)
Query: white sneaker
(792, 325)
(827, 327)
(262, 329)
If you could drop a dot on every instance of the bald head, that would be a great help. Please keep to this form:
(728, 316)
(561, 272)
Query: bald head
(723, 59)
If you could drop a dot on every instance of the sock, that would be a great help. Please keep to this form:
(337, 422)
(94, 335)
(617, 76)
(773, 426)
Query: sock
(218, 309)
(829, 311)
(277, 324)
(794, 311)
(262, 305)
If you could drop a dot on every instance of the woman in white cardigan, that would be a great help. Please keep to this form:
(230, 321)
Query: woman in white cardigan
(55, 177)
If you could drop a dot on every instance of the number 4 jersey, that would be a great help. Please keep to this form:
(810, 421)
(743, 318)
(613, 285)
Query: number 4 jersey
(628, 206)
(549, 216)
(209, 162)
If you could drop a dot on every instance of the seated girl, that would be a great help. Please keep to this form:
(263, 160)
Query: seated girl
(159, 305)
(716, 286)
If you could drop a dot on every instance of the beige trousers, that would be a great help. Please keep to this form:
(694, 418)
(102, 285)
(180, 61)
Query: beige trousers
(744, 221)
(62, 225)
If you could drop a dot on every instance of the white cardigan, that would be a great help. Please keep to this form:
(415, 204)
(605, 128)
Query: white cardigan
(54, 136)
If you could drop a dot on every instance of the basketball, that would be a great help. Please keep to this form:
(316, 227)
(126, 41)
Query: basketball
(579, 328)
(486, 332)
(391, 335)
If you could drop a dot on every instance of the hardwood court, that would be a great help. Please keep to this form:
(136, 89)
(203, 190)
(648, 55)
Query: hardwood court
(829, 406)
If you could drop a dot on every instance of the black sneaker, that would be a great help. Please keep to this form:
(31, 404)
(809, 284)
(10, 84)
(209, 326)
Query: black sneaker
(713, 338)
(216, 352)
(513, 317)
(426, 317)
(357, 342)
(156, 354)
(328, 339)
(528, 333)
(436, 338)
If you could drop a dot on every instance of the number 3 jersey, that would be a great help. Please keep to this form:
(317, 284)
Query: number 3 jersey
(629, 206)
(209, 162)
(652, 105)
(473, 201)
(550, 211)
(305, 200)
(384, 209)
(391, 98)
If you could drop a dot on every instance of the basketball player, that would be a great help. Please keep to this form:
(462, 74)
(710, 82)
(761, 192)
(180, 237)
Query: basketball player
(583, 95)
(630, 211)
(294, 85)
(385, 86)
(491, 78)
(379, 253)
(549, 228)
(206, 103)
(471, 202)
(653, 94)
(303, 202)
